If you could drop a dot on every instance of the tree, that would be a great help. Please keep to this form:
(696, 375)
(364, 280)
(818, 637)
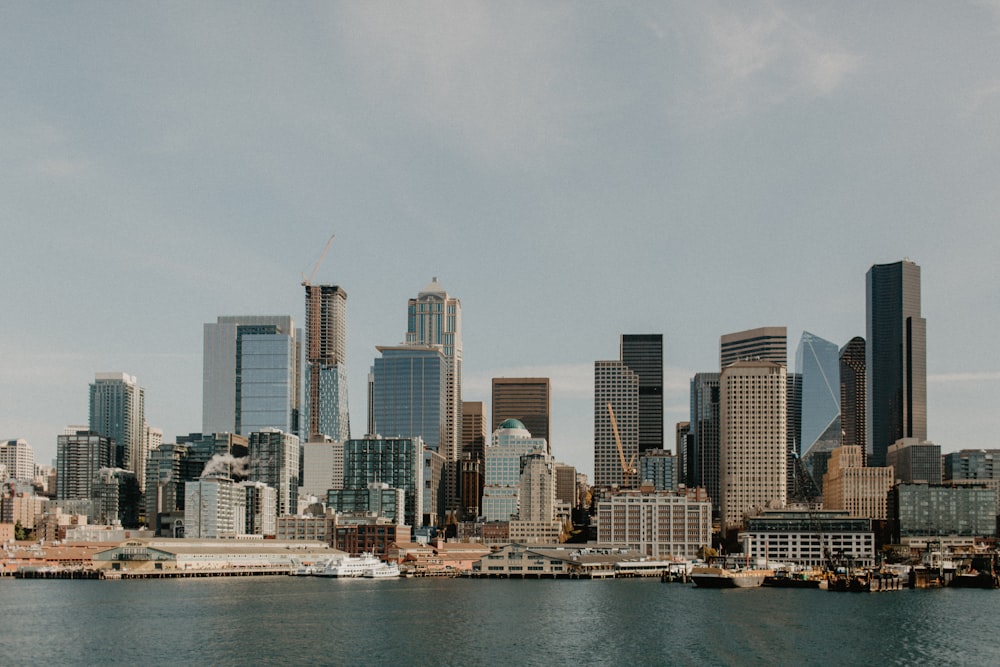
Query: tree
(19, 532)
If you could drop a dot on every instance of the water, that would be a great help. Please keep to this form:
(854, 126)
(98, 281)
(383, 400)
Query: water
(309, 621)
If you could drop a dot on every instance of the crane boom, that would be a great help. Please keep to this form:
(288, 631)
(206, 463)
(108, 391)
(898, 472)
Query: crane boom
(308, 281)
(627, 468)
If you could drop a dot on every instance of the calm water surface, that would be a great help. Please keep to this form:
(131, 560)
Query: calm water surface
(308, 621)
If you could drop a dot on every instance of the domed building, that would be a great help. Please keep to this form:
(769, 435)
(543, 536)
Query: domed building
(502, 478)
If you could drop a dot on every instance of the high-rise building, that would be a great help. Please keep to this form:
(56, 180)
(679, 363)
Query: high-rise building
(509, 443)
(643, 353)
(852, 486)
(325, 402)
(274, 460)
(915, 461)
(615, 385)
(702, 469)
(165, 478)
(435, 318)
(760, 344)
(473, 453)
(981, 464)
(117, 410)
(536, 520)
(398, 462)
(19, 459)
(322, 467)
(79, 457)
(658, 467)
(896, 357)
(817, 364)
(408, 394)
(251, 375)
(214, 507)
(115, 498)
(524, 399)
(852, 393)
(752, 428)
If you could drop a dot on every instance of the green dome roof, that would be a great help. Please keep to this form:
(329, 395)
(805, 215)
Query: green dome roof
(511, 423)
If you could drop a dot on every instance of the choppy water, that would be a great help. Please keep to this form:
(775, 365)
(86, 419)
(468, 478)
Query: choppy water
(307, 621)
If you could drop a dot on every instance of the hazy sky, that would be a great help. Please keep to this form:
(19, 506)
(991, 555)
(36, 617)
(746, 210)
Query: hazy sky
(570, 171)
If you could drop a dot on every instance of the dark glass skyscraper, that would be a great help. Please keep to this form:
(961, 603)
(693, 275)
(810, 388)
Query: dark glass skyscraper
(643, 353)
(896, 358)
(703, 466)
(852, 393)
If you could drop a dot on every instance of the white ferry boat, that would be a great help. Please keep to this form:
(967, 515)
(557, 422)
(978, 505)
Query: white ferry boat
(382, 571)
(350, 566)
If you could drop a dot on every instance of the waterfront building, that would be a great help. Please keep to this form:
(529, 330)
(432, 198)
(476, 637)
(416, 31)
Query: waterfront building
(929, 512)
(18, 458)
(760, 344)
(658, 467)
(502, 481)
(703, 460)
(251, 374)
(274, 460)
(537, 518)
(79, 457)
(322, 467)
(117, 411)
(915, 460)
(214, 507)
(378, 500)
(895, 358)
(115, 498)
(19, 507)
(325, 405)
(615, 385)
(372, 535)
(853, 404)
(810, 538)
(527, 400)
(396, 462)
(753, 451)
(260, 514)
(409, 394)
(308, 527)
(852, 486)
(817, 362)
(656, 524)
(643, 353)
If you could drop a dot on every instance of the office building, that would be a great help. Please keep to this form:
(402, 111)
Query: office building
(473, 452)
(251, 375)
(325, 404)
(260, 502)
(753, 439)
(657, 524)
(117, 411)
(216, 452)
(814, 405)
(853, 406)
(616, 390)
(214, 507)
(852, 486)
(810, 539)
(915, 461)
(566, 485)
(165, 478)
(115, 498)
(929, 512)
(502, 480)
(536, 520)
(409, 394)
(643, 353)
(396, 462)
(322, 468)
(761, 344)
(702, 466)
(18, 458)
(527, 400)
(659, 468)
(895, 358)
(978, 464)
(79, 457)
(274, 460)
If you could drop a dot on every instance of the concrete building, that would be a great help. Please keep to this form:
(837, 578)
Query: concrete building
(615, 385)
(527, 400)
(322, 467)
(118, 412)
(643, 353)
(214, 507)
(851, 486)
(760, 344)
(656, 524)
(325, 405)
(917, 461)
(396, 462)
(260, 514)
(538, 519)
(810, 539)
(508, 445)
(274, 460)
(18, 458)
(566, 485)
(251, 375)
(753, 452)
(895, 358)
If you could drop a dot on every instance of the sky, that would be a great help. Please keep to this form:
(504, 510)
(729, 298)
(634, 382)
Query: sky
(570, 171)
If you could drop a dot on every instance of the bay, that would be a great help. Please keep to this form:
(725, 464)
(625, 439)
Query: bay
(311, 621)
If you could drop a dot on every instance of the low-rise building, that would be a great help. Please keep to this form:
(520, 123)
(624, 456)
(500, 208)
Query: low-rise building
(657, 524)
(809, 538)
(934, 511)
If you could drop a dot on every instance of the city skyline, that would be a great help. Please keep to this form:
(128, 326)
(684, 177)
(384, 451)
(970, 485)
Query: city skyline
(719, 169)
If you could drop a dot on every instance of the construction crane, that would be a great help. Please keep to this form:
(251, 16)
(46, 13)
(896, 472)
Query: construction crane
(628, 469)
(308, 281)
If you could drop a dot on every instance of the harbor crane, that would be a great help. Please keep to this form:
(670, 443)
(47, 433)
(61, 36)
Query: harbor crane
(308, 281)
(628, 469)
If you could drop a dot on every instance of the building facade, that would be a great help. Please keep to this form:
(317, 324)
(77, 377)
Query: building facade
(409, 394)
(917, 461)
(118, 412)
(895, 358)
(657, 524)
(396, 462)
(214, 507)
(760, 344)
(852, 486)
(702, 469)
(18, 458)
(325, 403)
(643, 353)
(527, 400)
(79, 457)
(616, 386)
(922, 511)
(810, 539)
(853, 405)
(274, 460)
(509, 444)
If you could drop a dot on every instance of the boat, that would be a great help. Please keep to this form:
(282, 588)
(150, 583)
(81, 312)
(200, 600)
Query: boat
(382, 571)
(349, 566)
(720, 573)
(790, 577)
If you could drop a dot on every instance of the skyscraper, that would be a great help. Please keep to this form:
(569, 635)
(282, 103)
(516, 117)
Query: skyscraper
(80, 455)
(817, 362)
(251, 375)
(703, 462)
(435, 318)
(852, 392)
(398, 462)
(326, 376)
(274, 460)
(753, 453)
(762, 343)
(896, 357)
(118, 411)
(617, 385)
(408, 396)
(509, 443)
(643, 353)
(524, 399)
(19, 459)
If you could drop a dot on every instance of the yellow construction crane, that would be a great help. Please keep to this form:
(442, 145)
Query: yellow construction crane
(628, 469)
(308, 281)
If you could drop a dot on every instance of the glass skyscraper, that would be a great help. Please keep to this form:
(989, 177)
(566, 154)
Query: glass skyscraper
(896, 357)
(852, 392)
(817, 361)
(703, 462)
(408, 398)
(118, 411)
(643, 353)
(397, 462)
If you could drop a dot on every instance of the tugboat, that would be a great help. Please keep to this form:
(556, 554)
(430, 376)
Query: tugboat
(722, 573)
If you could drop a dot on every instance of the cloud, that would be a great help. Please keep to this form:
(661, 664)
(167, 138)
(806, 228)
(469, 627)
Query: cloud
(950, 378)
